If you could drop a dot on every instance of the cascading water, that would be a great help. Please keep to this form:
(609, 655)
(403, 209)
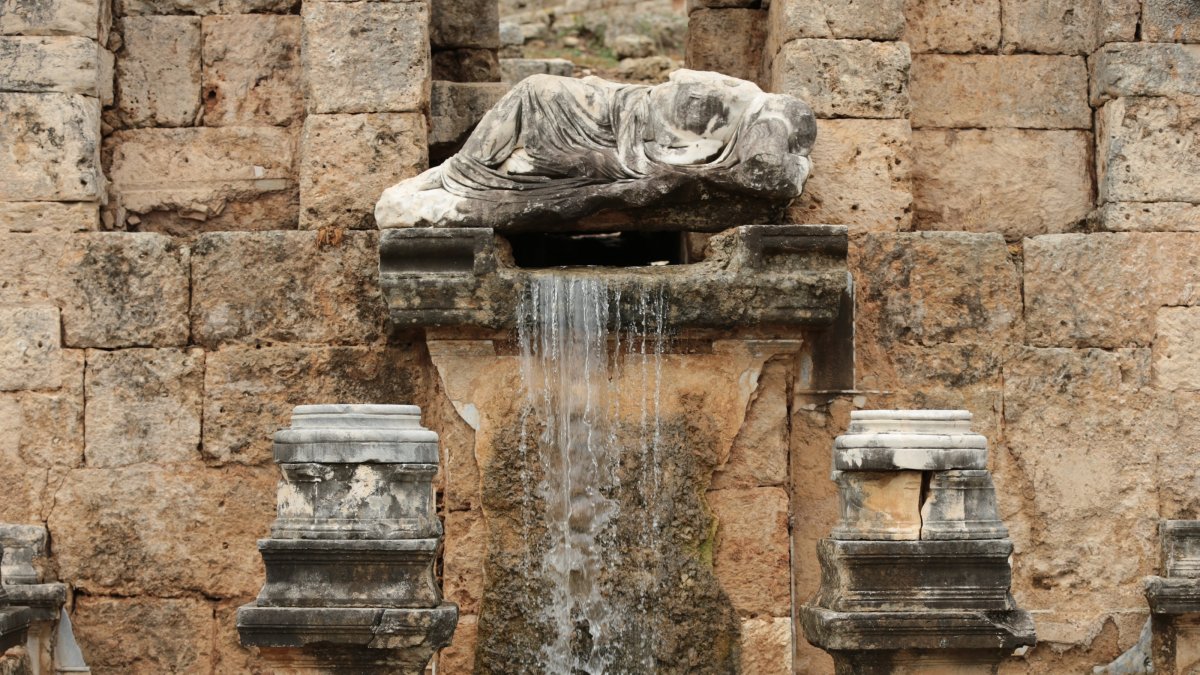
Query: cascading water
(588, 355)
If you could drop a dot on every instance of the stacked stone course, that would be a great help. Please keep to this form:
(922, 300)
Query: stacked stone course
(1018, 177)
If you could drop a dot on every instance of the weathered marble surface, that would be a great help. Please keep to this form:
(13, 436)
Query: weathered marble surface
(557, 148)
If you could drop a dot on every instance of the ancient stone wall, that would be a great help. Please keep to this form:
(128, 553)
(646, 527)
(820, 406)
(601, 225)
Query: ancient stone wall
(1019, 182)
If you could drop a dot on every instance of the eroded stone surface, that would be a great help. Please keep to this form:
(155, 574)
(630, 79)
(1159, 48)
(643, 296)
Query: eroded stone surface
(873, 20)
(50, 147)
(162, 530)
(382, 148)
(114, 289)
(250, 391)
(459, 23)
(750, 555)
(1170, 21)
(252, 70)
(863, 179)
(285, 287)
(459, 657)
(1065, 26)
(1176, 349)
(952, 26)
(1103, 290)
(467, 65)
(983, 303)
(1147, 217)
(45, 429)
(49, 216)
(143, 406)
(69, 65)
(181, 181)
(759, 455)
(708, 48)
(30, 348)
(767, 646)
(845, 78)
(455, 110)
(143, 636)
(1014, 181)
(1144, 69)
(159, 71)
(1145, 150)
(366, 57)
(1024, 91)
(57, 17)
(465, 551)
(1068, 512)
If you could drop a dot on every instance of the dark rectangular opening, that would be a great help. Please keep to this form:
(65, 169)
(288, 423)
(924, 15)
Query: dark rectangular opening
(609, 249)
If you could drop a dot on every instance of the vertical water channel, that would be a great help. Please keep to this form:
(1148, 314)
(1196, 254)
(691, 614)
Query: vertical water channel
(591, 365)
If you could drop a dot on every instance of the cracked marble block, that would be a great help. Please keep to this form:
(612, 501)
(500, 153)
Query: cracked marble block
(349, 563)
(916, 576)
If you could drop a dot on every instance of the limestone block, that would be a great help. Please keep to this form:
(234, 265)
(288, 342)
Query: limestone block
(872, 20)
(767, 646)
(464, 23)
(1103, 290)
(751, 557)
(159, 71)
(348, 160)
(144, 635)
(952, 26)
(285, 287)
(1014, 181)
(1026, 91)
(44, 430)
(1177, 348)
(229, 656)
(1170, 21)
(709, 46)
(930, 288)
(49, 216)
(252, 70)
(185, 180)
(845, 78)
(1082, 482)
(462, 559)
(467, 65)
(1145, 150)
(459, 657)
(69, 65)
(250, 391)
(878, 505)
(1144, 69)
(50, 147)
(455, 110)
(30, 348)
(366, 56)
(260, 6)
(143, 406)
(50, 17)
(1066, 26)
(759, 455)
(180, 528)
(114, 289)
(1177, 474)
(862, 177)
(165, 7)
(1147, 217)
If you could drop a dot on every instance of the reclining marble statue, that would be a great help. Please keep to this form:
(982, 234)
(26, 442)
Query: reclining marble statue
(557, 148)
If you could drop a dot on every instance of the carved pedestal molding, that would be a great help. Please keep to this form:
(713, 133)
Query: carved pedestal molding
(1175, 599)
(915, 577)
(349, 565)
(37, 604)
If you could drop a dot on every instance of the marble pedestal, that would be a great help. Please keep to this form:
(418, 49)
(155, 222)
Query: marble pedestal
(915, 577)
(349, 565)
(1175, 599)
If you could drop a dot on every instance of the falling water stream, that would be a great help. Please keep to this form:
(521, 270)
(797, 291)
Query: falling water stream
(592, 369)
